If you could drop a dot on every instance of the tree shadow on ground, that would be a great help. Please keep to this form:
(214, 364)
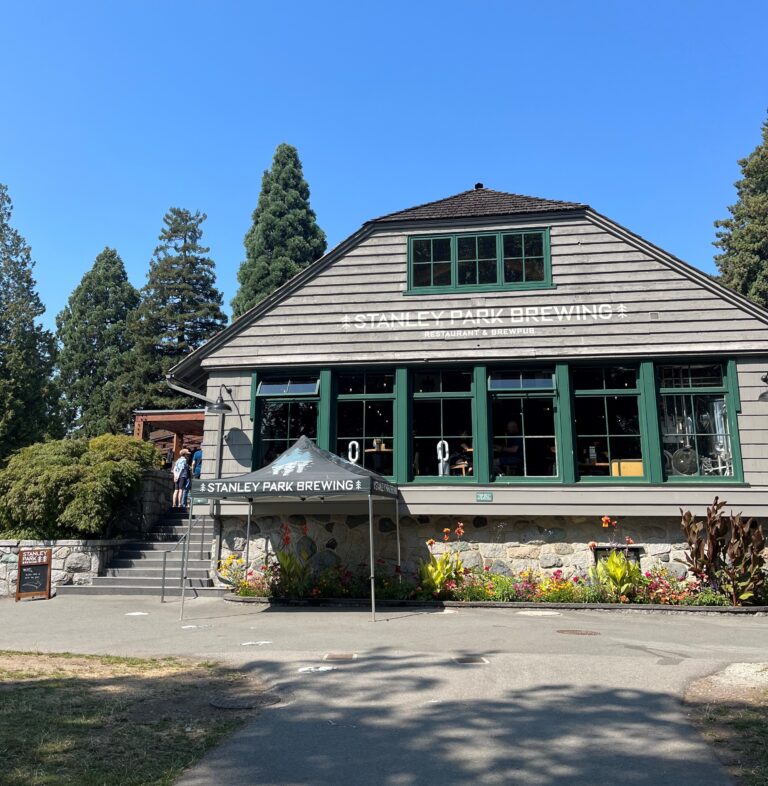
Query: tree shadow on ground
(404, 720)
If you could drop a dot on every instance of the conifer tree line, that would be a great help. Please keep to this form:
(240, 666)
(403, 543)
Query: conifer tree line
(743, 238)
(113, 343)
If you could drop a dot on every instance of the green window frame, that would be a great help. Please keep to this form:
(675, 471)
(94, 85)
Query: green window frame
(281, 414)
(697, 406)
(524, 395)
(370, 397)
(480, 261)
(443, 408)
(609, 453)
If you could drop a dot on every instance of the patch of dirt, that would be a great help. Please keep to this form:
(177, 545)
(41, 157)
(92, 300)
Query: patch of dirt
(730, 710)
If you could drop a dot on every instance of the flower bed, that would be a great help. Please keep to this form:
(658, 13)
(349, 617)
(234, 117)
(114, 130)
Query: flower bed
(729, 573)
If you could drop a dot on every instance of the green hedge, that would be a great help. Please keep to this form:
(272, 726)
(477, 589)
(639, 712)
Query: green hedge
(71, 488)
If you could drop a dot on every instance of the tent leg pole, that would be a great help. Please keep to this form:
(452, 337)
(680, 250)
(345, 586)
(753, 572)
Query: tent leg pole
(370, 537)
(397, 530)
(185, 561)
(248, 539)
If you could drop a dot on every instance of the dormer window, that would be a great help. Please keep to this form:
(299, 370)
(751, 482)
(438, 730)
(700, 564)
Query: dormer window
(479, 261)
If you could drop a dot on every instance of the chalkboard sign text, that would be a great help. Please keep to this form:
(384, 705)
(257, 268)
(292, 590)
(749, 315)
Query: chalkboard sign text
(34, 577)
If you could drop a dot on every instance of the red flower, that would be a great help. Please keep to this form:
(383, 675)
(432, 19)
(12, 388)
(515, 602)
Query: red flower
(487, 567)
(629, 540)
(592, 544)
(431, 542)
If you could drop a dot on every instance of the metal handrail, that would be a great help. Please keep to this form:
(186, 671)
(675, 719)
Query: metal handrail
(166, 552)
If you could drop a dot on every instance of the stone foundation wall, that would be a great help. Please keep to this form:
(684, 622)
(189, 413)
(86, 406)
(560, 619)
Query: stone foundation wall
(146, 505)
(74, 561)
(503, 544)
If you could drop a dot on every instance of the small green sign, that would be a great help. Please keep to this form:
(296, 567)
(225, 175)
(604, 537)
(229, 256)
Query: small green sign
(484, 496)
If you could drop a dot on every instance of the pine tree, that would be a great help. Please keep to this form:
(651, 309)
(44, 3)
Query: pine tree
(179, 309)
(284, 237)
(744, 239)
(94, 339)
(28, 395)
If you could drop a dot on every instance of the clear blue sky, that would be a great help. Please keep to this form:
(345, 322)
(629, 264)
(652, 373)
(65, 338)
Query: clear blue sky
(112, 112)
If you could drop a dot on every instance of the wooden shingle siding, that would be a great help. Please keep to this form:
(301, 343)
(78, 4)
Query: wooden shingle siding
(753, 422)
(238, 430)
(591, 265)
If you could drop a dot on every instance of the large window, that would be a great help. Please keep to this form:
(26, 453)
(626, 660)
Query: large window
(365, 423)
(287, 409)
(523, 424)
(442, 443)
(693, 415)
(498, 260)
(607, 422)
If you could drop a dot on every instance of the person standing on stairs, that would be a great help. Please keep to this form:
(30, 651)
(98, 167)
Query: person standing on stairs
(194, 474)
(181, 478)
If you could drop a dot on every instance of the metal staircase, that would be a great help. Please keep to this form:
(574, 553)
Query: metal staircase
(137, 569)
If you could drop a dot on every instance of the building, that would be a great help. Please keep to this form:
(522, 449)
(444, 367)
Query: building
(523, 365)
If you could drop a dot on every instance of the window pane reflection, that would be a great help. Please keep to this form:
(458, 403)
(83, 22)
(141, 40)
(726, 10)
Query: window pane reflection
(524, 437)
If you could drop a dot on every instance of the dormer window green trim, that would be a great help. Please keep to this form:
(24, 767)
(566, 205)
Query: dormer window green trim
(479, 262)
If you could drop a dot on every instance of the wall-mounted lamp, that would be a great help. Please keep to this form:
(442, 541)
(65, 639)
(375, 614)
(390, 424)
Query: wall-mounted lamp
(219, 407)
(764, 395)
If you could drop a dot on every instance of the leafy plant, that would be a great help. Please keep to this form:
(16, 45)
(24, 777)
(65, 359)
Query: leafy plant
(706, 542)
(441, 574)
(292, 577)
(72, 487)
(618, 575)
(726, 553)
(743, 576)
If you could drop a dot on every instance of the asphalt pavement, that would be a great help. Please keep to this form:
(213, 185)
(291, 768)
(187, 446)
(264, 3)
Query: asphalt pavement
(455, 696)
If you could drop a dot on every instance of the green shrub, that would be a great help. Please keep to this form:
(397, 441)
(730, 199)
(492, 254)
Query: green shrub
(71, 488)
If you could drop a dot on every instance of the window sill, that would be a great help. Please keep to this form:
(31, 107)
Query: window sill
(468, 290)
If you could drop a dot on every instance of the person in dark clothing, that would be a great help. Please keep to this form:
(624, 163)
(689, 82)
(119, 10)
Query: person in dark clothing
(197, 463)
(509, 451)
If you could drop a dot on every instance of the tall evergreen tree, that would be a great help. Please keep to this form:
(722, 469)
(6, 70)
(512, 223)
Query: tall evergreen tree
(179, 309)
(94, 339)
(744, 240)
(284, 237)
(28, 395)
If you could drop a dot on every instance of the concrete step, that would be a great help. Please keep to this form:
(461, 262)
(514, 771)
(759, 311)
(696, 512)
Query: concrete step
(117, 589)
(168, 529)
(144, 581)
(171, 573)
(154, 560)
(137, 569)
(149, 545)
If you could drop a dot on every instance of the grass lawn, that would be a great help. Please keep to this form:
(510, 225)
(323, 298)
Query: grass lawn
(731, 711)
(96, 720)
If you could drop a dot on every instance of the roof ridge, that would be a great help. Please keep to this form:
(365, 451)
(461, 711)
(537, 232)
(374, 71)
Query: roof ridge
(469, 203)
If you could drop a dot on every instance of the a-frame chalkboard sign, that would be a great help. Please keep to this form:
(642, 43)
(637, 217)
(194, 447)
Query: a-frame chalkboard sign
(34, 578)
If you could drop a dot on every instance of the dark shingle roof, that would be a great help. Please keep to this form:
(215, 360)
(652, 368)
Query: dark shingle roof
(480, 202)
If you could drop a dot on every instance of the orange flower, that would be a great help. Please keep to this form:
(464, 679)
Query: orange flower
(431, 542)
(629, 540)
(592, 544)
(606, 521)
(447, 529)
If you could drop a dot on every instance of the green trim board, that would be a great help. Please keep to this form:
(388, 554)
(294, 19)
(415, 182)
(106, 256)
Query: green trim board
(479, 261)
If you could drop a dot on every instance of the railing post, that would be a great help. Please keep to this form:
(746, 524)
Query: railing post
(162, 585)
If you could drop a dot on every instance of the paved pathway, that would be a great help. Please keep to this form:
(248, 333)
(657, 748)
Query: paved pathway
(549, 707)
